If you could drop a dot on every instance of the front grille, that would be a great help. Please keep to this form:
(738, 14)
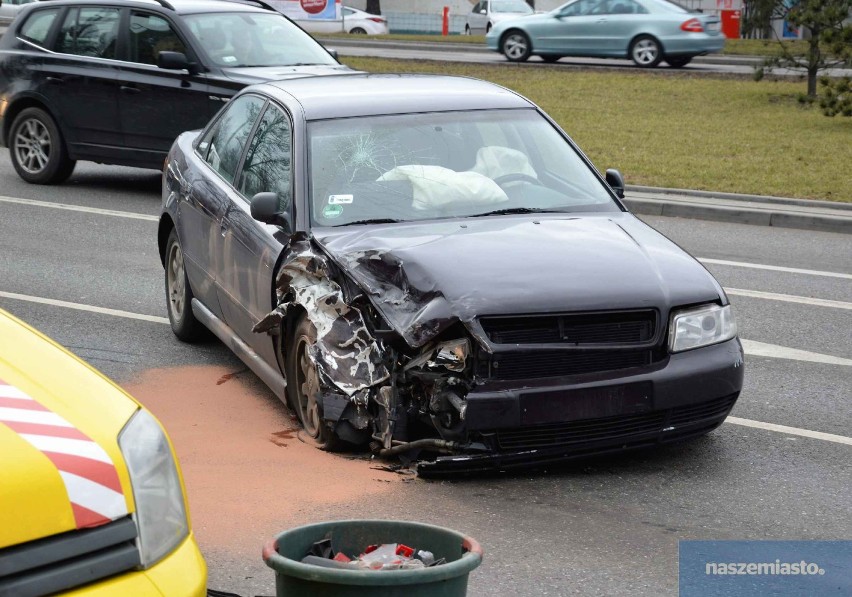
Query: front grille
(621, 428)
(552, 363)
(625, 327)
(68, 560)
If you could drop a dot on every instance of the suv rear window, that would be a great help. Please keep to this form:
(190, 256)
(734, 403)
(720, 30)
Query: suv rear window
(38, 25)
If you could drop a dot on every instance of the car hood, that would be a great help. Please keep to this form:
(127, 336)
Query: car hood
(521, 20)
(55, 413)
(260, 74)
(422, 277)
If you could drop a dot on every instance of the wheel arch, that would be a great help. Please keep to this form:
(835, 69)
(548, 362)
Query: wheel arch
(164, 228)
(20, 104)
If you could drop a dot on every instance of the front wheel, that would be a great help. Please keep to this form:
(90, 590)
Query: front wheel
(303, 386)
(678, 61)
(516, 46)
(37, 150)
(645, 51)
(179, 295)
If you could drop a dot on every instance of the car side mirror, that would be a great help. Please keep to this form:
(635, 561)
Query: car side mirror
(616, 181)
(334, 54)
(264, 208)
(175, 61)
(483, 11)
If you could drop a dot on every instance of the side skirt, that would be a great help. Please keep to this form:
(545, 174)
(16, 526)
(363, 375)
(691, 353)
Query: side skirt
(271, 377)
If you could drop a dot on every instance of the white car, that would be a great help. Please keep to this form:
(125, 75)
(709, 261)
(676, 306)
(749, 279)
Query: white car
(487, 13)
(354, 21)
(8, 10)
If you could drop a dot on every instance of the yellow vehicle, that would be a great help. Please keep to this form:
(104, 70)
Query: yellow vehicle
(91, 498)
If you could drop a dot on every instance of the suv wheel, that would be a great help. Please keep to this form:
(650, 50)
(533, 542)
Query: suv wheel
(37, 150)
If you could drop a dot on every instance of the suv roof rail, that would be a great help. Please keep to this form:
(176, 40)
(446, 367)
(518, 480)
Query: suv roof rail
(258, 3)
(165, 4)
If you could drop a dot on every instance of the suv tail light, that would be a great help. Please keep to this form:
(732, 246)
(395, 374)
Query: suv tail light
(693, 26)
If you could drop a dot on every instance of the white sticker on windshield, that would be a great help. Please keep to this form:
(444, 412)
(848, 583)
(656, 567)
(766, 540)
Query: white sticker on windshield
(229, 59)
(340, 199)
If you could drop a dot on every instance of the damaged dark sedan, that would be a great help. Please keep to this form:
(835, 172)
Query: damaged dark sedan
(429, 266)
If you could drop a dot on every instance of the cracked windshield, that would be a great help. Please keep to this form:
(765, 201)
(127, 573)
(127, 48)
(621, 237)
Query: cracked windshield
(453, 164)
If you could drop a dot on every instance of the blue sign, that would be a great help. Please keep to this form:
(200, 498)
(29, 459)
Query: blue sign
(765, 568)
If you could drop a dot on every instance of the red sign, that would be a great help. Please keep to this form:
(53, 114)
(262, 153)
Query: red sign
(313, 7)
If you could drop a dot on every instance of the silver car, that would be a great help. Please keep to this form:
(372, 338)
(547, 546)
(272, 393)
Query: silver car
(485, 14)
(8, 10)
(646, 31)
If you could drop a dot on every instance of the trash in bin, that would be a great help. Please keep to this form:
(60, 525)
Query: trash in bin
(385, 556)
(456, 553)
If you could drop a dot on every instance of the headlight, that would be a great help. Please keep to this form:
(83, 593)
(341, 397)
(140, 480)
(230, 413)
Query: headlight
(160, 513)
(701, 326)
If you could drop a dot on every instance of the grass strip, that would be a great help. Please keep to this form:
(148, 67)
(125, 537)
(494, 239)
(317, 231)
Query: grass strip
(681, 130)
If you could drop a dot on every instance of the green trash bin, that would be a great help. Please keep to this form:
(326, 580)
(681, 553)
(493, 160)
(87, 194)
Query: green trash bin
(295, 579)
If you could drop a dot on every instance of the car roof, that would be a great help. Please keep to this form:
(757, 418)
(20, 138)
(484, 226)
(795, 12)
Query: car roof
(179, 6)
(342, 96)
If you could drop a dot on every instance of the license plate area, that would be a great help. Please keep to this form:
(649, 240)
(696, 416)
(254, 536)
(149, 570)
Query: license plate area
(587, 403)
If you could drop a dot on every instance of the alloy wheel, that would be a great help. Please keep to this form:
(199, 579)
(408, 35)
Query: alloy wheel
(307, 388)
(176, 282)
(516, 46)
(32, 145)
(645, 52)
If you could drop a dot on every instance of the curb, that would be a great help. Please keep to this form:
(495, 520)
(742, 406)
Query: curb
(820, 216)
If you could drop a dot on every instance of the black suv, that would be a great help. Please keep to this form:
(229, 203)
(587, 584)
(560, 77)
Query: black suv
(116, 81)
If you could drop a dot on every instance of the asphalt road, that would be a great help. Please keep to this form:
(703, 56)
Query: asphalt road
(606, 527)
(448, 52)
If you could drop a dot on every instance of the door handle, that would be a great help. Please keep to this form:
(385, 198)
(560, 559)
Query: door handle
(601, 20)
(55, 80)
(129, 89)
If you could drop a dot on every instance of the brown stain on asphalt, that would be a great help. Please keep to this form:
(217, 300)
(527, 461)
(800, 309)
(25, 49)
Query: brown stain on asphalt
(229, 376)
(279, 437)
(243, 489)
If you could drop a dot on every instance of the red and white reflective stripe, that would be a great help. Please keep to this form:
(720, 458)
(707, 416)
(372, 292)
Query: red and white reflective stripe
(86, 469)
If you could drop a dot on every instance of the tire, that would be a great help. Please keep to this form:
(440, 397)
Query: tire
(678, 61)
(467, 29)
(303, 387)
(646, 52)
(550, 58)
(37, 149)
(516, 46)
(488, 29)
(179, 294)
(358, 31)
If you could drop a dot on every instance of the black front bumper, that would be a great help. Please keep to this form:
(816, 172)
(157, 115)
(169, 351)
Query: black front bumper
(687, 396)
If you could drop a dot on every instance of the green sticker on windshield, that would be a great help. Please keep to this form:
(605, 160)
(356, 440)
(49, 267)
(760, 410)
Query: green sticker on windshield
(332, 211)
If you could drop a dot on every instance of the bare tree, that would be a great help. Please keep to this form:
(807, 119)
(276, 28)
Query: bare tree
(374, 7)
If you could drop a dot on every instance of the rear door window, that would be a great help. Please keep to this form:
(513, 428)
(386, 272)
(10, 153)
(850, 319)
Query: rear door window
(38, 25)
(89, 31)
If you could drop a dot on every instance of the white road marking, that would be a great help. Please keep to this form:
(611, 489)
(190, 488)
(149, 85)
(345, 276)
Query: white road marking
(91, 210)
(751, 348)
(81, 307)
(789, 298)
(761, 349)
(775, 268)
(828, 437)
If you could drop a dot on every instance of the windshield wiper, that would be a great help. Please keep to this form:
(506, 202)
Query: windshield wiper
(518, 210)
(373, 221)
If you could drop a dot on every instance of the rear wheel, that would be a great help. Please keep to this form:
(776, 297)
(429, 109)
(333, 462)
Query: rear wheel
(358, 31)
(678, 61)
(550, 58)
(179, 295)
(303, 386)
(645, 51)
(516, 46)
(467, 29)
(37, 149)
